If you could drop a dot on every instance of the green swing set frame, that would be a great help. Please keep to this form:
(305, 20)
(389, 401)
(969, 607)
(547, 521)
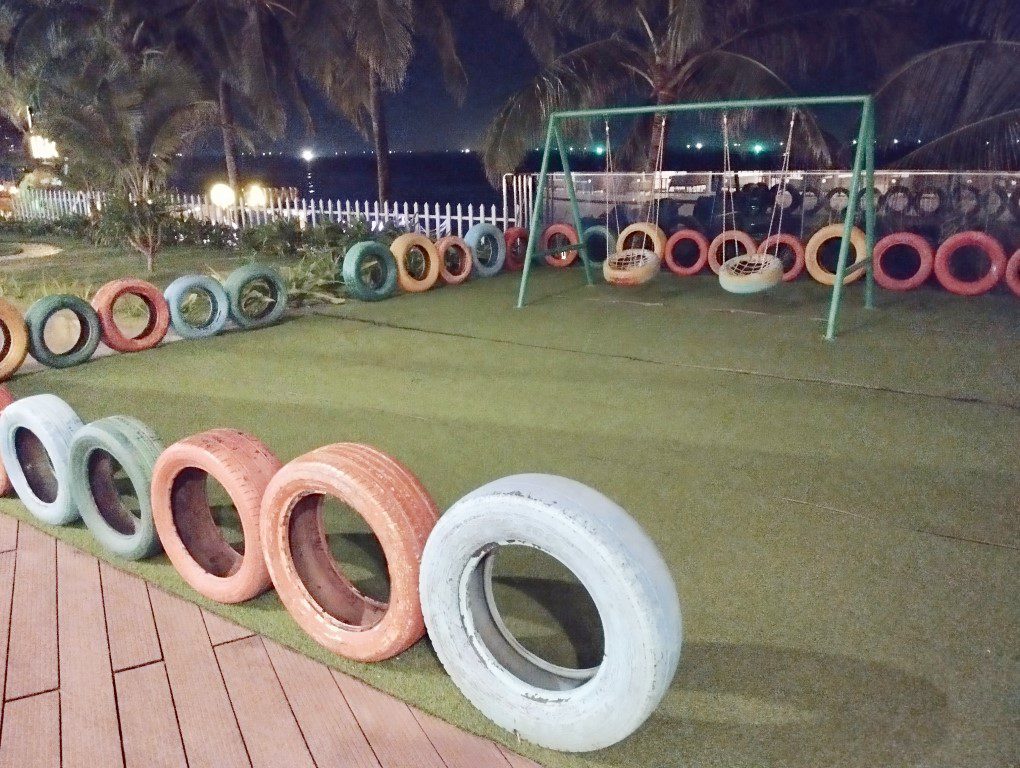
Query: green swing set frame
(864, 163)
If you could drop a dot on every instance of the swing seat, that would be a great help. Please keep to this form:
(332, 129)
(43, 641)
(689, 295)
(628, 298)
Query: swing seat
(634, 266)
(751, 273)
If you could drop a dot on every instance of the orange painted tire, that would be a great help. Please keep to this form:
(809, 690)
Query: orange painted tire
(916, 243)
(463, 270)
(730, 235)
(1013, 273)
(858, 242)
(651, 231)
(244, 466)
(566, 258)
(155, 327)
(6, 398)
(13, 340)
(996, 267)
(516, 239)
(686, 235)
(774, 241)
(401, 249)
(312, 585)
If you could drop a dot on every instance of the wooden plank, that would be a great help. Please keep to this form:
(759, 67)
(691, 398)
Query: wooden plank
(208, 727)
(223, 631)
(515, 760)
(31, 737)
(6, 593)
(8, 533)
(90, 731)
(459, 749)
(129, 622)
(388, 724)
(329, 727)
(148, 723)
(267, 724)
(32, 656)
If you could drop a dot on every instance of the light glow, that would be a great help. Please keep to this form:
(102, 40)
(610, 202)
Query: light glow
(307, 155)
(255, 196)
(42, 148)
(222, 195)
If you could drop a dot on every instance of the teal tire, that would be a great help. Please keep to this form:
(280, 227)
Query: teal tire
(370, 271)
(177, 294)
(599, 232)
(35, 446)
(95, 451)
(486, 239)
(259, 277)
(89, 333)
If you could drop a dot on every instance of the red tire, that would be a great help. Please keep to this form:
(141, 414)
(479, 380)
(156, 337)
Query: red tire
(566, 258)
(1013, 273)
(184, 521)
(309, 581)
(917, 244)
(6, 398)
(516, 239)
(463, 270)
(991, 247)
(774, 242)
(730, 235)
(155, 327)
(686, 235)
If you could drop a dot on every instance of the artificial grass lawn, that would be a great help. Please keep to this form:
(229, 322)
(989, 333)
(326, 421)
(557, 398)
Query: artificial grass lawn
(840, 518)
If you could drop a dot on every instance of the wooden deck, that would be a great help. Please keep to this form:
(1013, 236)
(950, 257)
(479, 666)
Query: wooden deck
(102, 670)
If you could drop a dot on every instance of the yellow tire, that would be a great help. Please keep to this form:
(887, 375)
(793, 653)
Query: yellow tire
(652, 232)
(858, 241)
(13, 340)
(419, 280)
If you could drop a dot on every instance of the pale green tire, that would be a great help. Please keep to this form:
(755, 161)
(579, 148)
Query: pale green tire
(89, 334)
(485, 236)
(244, 278)
(603, 232)
(369, 271)
(135, 447)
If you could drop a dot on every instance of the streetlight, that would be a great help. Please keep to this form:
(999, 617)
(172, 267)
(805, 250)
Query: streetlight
(222, 195)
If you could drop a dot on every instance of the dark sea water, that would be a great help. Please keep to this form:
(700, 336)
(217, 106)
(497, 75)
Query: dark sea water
(443, 178)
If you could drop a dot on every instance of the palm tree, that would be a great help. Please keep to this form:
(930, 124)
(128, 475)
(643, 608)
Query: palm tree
(663, 51)
(357, 50)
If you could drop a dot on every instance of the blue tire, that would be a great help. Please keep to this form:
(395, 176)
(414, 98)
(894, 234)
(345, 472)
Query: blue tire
(246, 277)
(177, 293)
(599, 232)
(486, 238)
(370, 271)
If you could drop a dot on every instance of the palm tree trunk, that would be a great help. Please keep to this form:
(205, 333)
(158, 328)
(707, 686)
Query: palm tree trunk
(658, 139)
(229, 139)
(381, 137)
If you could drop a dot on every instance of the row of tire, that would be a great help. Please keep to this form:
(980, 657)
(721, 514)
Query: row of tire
(687, 252)
(440, 568)
(26, 334)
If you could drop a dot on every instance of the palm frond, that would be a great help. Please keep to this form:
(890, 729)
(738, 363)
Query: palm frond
(438, 30)
(991, 143)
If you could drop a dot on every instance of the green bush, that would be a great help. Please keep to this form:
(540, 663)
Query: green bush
(273, 241)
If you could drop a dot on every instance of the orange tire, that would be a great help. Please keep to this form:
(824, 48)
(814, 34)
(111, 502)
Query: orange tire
(6, 398)
(155, 327)
(13, 340)
(244, 466)
(650, 231)
(516, 239)
(1013, 273)
(774, 242)
(858, 244)
(996, 263)
(717, 246)
(401, 248)
(565, 258)
(686, 235)
(312, 585)
(464, 263)
(916, 243)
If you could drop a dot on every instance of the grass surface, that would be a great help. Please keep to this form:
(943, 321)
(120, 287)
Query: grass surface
(840, 519)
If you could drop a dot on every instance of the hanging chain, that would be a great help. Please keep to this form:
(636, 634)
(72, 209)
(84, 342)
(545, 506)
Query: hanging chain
(784, 179)
(729, 200)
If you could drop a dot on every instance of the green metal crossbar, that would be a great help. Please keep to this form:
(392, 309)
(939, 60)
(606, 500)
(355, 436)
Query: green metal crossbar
(864, 162)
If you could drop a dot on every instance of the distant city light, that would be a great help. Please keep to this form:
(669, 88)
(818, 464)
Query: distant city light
(307, 155)
(699, 145)
(758, 149)
(600, 150)
(895, 141)
(222, 195)
(467, 151)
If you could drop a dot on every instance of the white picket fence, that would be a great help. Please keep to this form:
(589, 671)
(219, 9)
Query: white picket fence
(433, 219)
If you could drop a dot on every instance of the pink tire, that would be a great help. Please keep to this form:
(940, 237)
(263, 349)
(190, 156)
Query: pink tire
(773, 242)
(715, 250)
(903, 239)
(565, 258)
(1013, 273)
(992, 249)
(686, 235)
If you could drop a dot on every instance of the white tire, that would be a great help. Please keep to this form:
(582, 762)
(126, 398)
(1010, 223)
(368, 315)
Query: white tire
(35, 446)
(615, 561)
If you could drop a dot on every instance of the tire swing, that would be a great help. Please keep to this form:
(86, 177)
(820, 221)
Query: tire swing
(13, 340)
(421, 276)
(944, 262)
(454, 271)
(156, 324)
(903, 240)
(89, 331)
(758, 270)
(574, 710)
(637, 266)
(308, 579)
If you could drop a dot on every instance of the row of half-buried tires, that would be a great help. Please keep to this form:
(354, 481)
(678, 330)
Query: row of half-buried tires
(26, 334)
(967, 264)
(439, 568)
